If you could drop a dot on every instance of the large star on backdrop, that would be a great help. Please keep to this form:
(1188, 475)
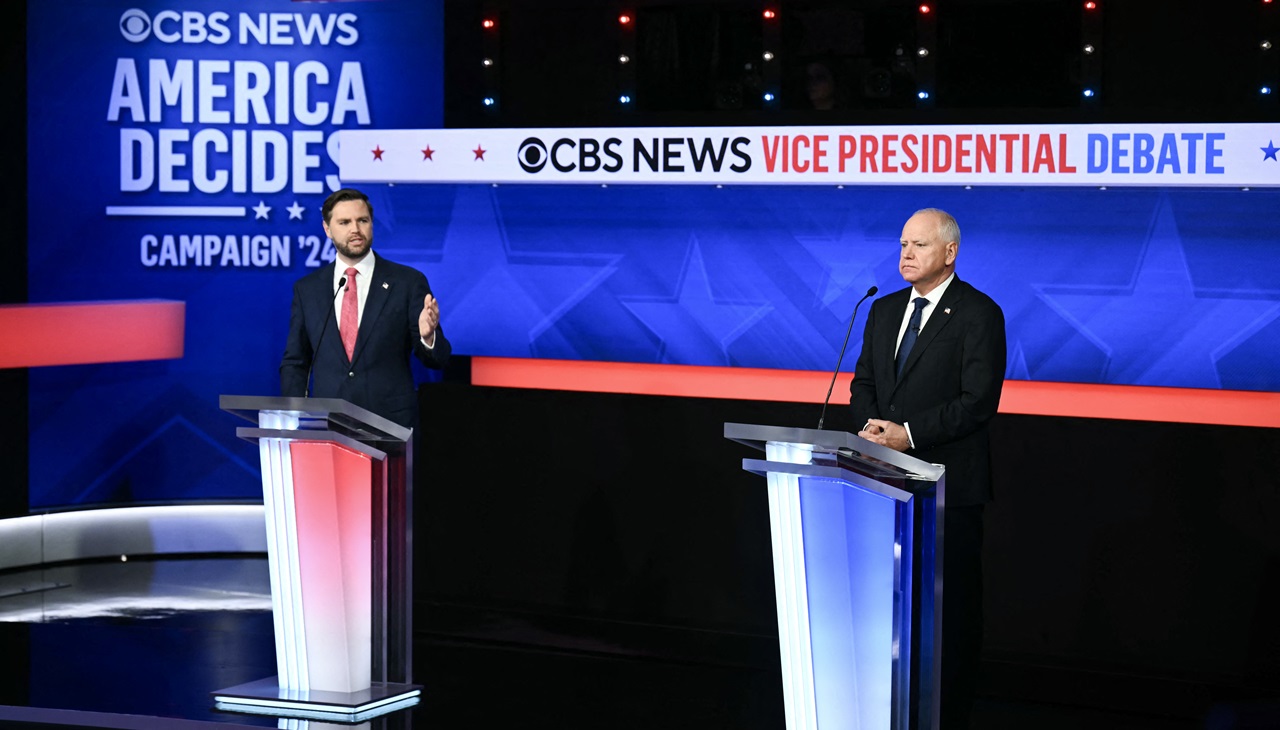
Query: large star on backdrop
(694, 326)
(490, 293)
(1157, 330)
(849, 270)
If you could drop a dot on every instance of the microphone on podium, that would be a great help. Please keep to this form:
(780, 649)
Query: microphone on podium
(342, 284)
(870, 293)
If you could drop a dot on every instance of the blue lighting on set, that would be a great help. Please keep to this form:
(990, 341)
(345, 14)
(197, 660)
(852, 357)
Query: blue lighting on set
(624, 99)
(769, 97)
(1265, 90)
(489, 101)
(1088, 93)
(922, 94)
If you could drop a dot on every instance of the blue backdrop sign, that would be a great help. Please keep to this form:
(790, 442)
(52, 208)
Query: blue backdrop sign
(181, 150)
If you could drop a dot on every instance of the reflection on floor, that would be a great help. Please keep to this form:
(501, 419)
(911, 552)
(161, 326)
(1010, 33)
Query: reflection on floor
(141, 644)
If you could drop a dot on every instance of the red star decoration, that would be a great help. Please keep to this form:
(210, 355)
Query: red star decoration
(377, 152)
(479, 152)
(427, 153)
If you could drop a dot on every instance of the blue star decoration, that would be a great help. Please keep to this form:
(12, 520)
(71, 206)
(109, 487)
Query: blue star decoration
(843, 256)
(1157, 330)
(496, 301)
(694, 327)
(1269, 152)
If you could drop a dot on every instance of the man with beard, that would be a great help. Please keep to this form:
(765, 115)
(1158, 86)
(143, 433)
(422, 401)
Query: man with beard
(366, 315)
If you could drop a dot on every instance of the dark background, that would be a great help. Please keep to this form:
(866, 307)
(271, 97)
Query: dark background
(1132, 566)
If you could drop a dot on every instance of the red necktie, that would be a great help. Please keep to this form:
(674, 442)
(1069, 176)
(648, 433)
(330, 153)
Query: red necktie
(350, 323)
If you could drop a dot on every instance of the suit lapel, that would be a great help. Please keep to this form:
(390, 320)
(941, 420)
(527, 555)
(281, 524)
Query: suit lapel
(938, 321)
(322, 305)
(375, 302)
(889, 334)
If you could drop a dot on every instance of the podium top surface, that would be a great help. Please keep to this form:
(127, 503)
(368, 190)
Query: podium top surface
(864, 456)
(332, 413)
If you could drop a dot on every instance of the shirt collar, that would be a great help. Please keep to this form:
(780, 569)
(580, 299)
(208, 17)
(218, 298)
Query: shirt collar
(935, 296)
(364, 269)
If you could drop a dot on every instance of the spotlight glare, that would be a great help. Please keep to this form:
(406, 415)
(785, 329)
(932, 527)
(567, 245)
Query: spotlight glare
(488, 101)
(922, 52)
(1266, 45)
(770, 15)
(489, 23)
(922, 95)
(624, 19)
(1088, 48)
(1088, 93)
(1091, 5)
(768, 55)
(1266, 90)
(624, 58)
(925, 10)
(487, 62)
(769, 97)
(624, 99)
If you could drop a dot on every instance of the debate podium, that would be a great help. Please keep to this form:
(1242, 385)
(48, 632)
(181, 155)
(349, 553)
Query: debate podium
(337, 487)
(857, 542)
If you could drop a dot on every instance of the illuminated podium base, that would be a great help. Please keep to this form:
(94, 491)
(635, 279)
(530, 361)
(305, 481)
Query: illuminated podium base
(267, 697)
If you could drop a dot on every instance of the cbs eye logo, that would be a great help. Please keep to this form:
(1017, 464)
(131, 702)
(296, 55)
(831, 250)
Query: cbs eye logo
(532, 155)
(135, 26)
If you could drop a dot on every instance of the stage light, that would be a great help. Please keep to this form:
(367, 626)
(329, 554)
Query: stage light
(624, 58)
(1091, 5)
(768, 56)
(922, 52)
(1088, 93)
(1265, 91)
(1266, 45)
(489, 23)
(1088, 48)
(925, 10)
(489, 101)
(624, 19)
(769, 97)
(487, 62)
(624, 99)
(922, 94)
(770, 15)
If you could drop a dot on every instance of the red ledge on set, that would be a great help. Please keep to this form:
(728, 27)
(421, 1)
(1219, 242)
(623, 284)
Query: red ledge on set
(1077, 400)
(79, 333)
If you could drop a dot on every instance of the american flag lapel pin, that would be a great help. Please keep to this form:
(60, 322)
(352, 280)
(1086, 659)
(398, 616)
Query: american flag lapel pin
(385, 285)
(945, 311)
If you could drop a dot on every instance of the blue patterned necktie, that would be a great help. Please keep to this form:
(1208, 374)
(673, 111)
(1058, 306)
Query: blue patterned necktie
(909, 339)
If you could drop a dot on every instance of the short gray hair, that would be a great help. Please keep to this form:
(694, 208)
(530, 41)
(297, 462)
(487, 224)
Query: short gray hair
(948, 229)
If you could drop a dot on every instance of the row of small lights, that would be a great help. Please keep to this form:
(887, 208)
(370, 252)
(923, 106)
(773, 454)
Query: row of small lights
(925, 9)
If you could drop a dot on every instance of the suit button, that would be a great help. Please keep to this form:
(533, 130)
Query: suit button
(351, 374)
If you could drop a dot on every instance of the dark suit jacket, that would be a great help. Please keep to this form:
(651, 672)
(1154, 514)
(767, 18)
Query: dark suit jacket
(949, 390)
(378, 377)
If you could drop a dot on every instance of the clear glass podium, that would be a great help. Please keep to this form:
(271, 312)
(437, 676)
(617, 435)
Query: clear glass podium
(857, 563)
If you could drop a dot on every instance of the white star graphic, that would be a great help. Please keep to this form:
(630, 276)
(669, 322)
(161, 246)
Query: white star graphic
(260, 210)
(295, 211)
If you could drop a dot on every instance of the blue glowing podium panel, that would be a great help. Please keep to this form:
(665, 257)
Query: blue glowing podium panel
(857, 565)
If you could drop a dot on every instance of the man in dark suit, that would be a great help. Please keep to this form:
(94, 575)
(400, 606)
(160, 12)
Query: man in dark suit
(367, 316)
(927, 382)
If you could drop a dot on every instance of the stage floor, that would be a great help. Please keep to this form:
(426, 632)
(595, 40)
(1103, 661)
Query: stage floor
(142, 644)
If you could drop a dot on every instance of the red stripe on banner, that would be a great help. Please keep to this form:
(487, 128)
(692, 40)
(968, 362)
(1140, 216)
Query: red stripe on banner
(1081, 400)
(35, 335)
